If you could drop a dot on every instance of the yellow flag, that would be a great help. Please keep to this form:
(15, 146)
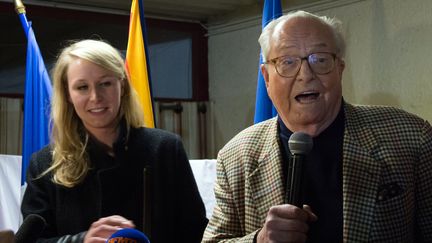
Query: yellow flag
(136, 61)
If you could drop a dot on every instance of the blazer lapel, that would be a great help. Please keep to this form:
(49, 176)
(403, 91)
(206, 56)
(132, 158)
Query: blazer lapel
(361, 170)
(266, 184)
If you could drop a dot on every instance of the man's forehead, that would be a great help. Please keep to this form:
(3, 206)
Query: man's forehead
(301, 26)
(286, 45)
(295, 32)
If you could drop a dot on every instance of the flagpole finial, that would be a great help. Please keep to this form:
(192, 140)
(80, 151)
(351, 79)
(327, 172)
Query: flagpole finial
(19, 7)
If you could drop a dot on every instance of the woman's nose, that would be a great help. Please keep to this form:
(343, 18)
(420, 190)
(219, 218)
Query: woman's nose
(95, 94)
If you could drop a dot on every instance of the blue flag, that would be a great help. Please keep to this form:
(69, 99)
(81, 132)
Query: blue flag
(37, 99)
(264, 108)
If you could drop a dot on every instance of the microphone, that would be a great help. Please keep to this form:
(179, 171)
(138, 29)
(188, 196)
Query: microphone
(300, 144)
(30, 229)
(128, 235)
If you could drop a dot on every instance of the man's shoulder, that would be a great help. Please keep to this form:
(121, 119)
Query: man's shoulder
(254, 137)
(382, 116)
(380, 110)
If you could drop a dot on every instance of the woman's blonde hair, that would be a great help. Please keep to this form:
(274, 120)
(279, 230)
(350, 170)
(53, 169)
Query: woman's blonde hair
(69, 138)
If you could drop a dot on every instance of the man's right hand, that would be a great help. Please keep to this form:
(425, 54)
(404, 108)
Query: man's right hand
(286, 223)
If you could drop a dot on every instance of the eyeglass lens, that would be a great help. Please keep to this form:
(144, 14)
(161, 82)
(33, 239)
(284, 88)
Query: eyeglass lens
(320, 63)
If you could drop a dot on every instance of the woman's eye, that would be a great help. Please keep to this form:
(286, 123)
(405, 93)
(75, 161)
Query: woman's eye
(82, 87)
(106, 83)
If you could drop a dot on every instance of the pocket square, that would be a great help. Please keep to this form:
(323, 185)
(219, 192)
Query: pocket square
(388, 191)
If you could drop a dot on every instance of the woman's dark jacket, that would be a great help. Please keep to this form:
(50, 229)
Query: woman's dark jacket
(114, 186)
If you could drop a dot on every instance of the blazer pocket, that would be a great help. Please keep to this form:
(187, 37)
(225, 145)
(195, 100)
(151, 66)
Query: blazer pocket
(393, 214)
(388, 191)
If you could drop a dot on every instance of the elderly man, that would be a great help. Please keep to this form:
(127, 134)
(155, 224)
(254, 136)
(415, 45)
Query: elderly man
(368, 176)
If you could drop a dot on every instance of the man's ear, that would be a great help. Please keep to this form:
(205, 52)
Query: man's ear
(265, 74)
(341, 66)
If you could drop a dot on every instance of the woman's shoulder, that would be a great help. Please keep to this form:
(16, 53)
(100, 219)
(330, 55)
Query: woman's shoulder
(41, 160)
(154, 142)
(43, 155)
(153, 134)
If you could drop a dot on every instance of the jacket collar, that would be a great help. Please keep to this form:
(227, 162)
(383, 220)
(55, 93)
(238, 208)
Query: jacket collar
(266, 184)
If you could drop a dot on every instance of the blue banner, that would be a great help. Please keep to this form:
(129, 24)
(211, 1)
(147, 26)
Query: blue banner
(264, 108)
(37, 99)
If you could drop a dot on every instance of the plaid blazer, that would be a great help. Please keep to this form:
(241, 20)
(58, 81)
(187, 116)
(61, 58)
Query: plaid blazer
(387, 179)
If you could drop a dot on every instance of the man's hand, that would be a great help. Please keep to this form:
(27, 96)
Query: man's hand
(286, 223)
(102, 229)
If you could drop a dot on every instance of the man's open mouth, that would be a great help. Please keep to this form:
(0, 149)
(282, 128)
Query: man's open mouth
(306, 97)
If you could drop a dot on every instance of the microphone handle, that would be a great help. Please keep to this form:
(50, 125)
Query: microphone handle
(288, 181)
(296, 181)
(147, 193)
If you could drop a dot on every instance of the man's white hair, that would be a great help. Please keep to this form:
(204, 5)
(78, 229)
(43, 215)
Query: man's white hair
(334, 24)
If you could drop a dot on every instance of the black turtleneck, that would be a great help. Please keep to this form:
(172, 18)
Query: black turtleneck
(322, 182)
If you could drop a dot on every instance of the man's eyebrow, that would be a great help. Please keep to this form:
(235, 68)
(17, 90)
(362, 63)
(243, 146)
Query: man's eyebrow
(283, 46)
(289, 46)
(321, 44)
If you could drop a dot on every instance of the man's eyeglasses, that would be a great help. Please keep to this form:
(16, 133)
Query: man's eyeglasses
(319, 63)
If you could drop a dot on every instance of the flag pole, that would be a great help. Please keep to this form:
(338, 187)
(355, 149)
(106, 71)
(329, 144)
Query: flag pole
(20, 9)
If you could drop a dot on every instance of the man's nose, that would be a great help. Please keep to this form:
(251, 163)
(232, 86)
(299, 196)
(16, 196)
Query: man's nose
(305, 72)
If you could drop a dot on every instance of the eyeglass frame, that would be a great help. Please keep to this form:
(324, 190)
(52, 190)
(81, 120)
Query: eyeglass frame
(274, 62)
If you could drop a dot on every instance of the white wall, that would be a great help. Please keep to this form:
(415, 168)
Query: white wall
(233, 68)
(11, 118)
(389, 60)
(389, 56)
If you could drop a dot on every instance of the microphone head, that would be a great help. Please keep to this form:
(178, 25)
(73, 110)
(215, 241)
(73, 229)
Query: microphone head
(300, 143)
(128, 235)
(30, 229)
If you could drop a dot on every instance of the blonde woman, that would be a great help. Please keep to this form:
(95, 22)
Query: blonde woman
(89, 182)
